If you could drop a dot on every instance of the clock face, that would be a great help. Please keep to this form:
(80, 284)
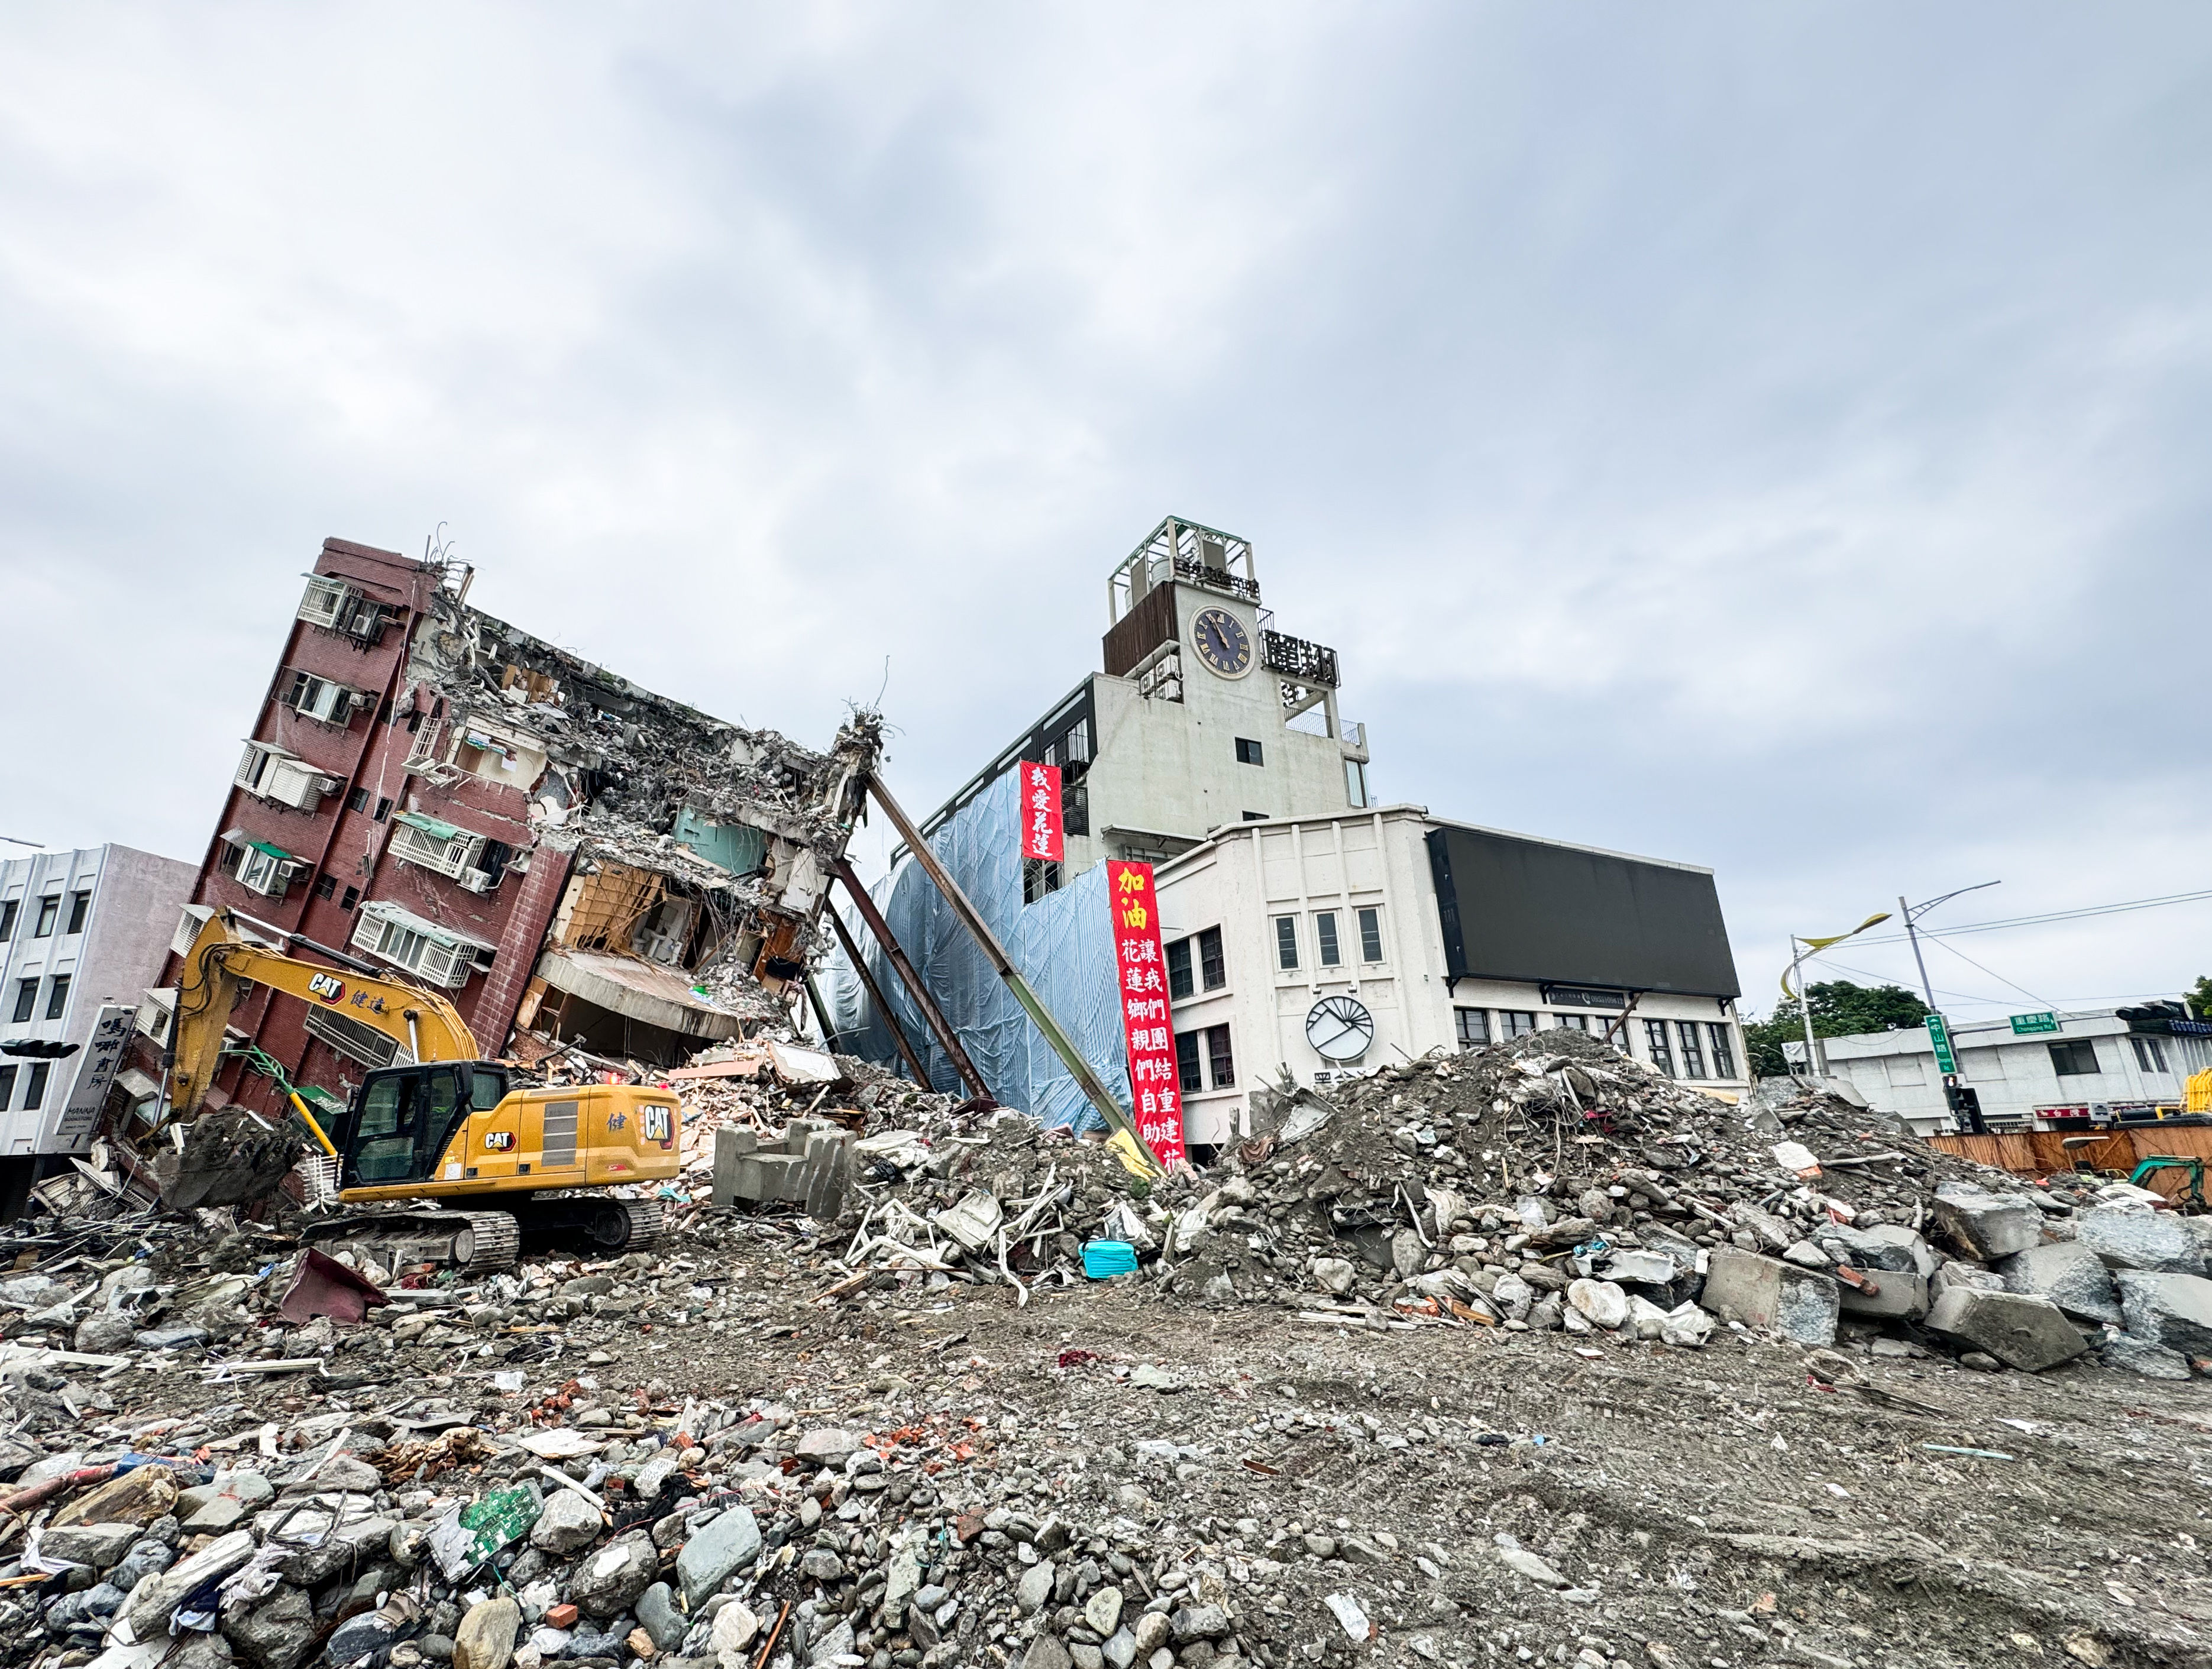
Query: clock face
(1339, 1027)
(1222, 642)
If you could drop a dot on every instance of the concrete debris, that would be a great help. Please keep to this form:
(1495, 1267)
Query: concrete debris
(2126, 1238)
(2172, 1310)
(2068, 1272)
(2023, 1331)
(1984, 1225)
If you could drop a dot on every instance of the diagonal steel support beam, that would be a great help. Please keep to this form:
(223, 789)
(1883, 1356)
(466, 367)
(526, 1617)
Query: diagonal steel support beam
(946, 1039)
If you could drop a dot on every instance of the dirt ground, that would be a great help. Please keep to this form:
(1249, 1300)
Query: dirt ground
(1717, 1507)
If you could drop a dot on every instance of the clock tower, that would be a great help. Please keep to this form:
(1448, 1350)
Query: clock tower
(1204, 714)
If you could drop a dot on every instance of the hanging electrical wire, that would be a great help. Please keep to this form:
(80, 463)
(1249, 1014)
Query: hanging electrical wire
(2051, 916)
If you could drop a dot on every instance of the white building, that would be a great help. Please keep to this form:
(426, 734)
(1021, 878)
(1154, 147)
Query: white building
(1327, 945)
(82, 934)
(1307, 928)
(2099, 1066)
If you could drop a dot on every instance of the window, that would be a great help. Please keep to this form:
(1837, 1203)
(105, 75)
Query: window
(325, 885)
(1217, 1058)
(1519, 1022)
(1325, 938)
(434, 953)
(1655, 1038)
(79, 907)
(258, 866)
(1567, 1022)
(1180, 983)
(1371, 934)
(1723, 1049)
(7, 920)
(1187, 1062)
(2149, 1055)
(1078, 743)
(1247, 752)
(1040, 875)
(34, 1093)
(50, 911)
(1213, 971)
(357, 800)
(27, 999)
(351, 897)
(319, 699)
(1693, 1057)
(326, 600)
(7, 1087)
(1355, 784)
(1286, 941)
(383, 810)
(58, 996)
(2075, 1059)
(1472, 1026)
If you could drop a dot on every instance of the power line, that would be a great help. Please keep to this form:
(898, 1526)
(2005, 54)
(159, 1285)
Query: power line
(2051, 916)
(1998, 977)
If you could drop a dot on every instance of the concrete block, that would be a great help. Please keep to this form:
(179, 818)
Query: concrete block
(2155, 1241)
(2172, 1310)
(1900, 1294)
(731, 1146)
(1954, 1274)
(1986, 1226)
(827, 1172)
(2068, 1273)
(1886, 1246)
(1640, 1267)
(2131, 1355)
(1772, 1295)
(2020, 1330)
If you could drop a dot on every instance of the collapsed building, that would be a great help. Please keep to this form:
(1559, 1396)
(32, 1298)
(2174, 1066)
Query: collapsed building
(568, 857)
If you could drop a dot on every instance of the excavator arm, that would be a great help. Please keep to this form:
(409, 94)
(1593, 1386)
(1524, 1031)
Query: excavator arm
(222, 964)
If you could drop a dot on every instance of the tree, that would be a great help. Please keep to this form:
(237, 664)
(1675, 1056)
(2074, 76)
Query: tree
(1840, 1009)
(2200, 999)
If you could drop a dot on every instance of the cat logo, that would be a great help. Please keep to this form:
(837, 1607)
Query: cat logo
(328, 986)
(500, 1141)
(658, 1125)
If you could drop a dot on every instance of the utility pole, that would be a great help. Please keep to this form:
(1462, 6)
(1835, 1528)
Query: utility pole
(1965, 1114)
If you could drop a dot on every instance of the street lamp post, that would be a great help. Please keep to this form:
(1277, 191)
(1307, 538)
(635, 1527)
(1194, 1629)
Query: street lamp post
(1912, 912)
(1803, 998)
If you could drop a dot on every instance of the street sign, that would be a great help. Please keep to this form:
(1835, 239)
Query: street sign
(2023, 1024)
(1940, 1035)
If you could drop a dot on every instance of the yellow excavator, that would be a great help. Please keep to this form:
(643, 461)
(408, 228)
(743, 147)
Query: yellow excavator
(445, 1127)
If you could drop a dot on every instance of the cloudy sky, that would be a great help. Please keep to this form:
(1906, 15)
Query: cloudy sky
(1772, 437)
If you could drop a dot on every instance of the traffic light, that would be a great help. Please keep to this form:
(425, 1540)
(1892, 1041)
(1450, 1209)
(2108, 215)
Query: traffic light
(1966, 1106)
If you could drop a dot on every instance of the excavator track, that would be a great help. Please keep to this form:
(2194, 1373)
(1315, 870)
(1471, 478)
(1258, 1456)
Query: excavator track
(469, 1241)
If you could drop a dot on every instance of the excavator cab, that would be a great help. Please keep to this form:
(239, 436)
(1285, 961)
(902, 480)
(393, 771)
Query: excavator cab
(402, 1119)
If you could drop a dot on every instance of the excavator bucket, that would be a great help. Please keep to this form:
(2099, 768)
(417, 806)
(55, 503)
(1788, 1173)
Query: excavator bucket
(230, 1157)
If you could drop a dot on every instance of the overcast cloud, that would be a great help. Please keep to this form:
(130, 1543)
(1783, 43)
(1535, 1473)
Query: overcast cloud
(1772, 437)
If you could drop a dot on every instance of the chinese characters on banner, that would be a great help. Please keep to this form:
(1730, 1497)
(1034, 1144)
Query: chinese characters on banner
(1154, 1086)
(94, 1072)
(1041, 835)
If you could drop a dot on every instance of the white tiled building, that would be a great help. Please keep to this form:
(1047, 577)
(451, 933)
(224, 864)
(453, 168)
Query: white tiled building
(82, 934)
(2099, 1067)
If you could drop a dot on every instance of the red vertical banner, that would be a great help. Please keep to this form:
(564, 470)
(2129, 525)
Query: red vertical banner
(1154, 1087)
(1041, 829)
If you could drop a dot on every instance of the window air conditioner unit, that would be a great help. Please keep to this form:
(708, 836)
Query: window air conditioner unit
(188, 926)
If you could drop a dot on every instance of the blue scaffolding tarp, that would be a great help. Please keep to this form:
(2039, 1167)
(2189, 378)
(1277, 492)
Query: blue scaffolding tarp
(1062, 943)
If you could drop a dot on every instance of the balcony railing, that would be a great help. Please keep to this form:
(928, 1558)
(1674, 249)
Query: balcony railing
(1310, 663)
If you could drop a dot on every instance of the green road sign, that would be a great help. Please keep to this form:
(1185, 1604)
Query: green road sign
(2022, 1025)
(1940, 1035)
